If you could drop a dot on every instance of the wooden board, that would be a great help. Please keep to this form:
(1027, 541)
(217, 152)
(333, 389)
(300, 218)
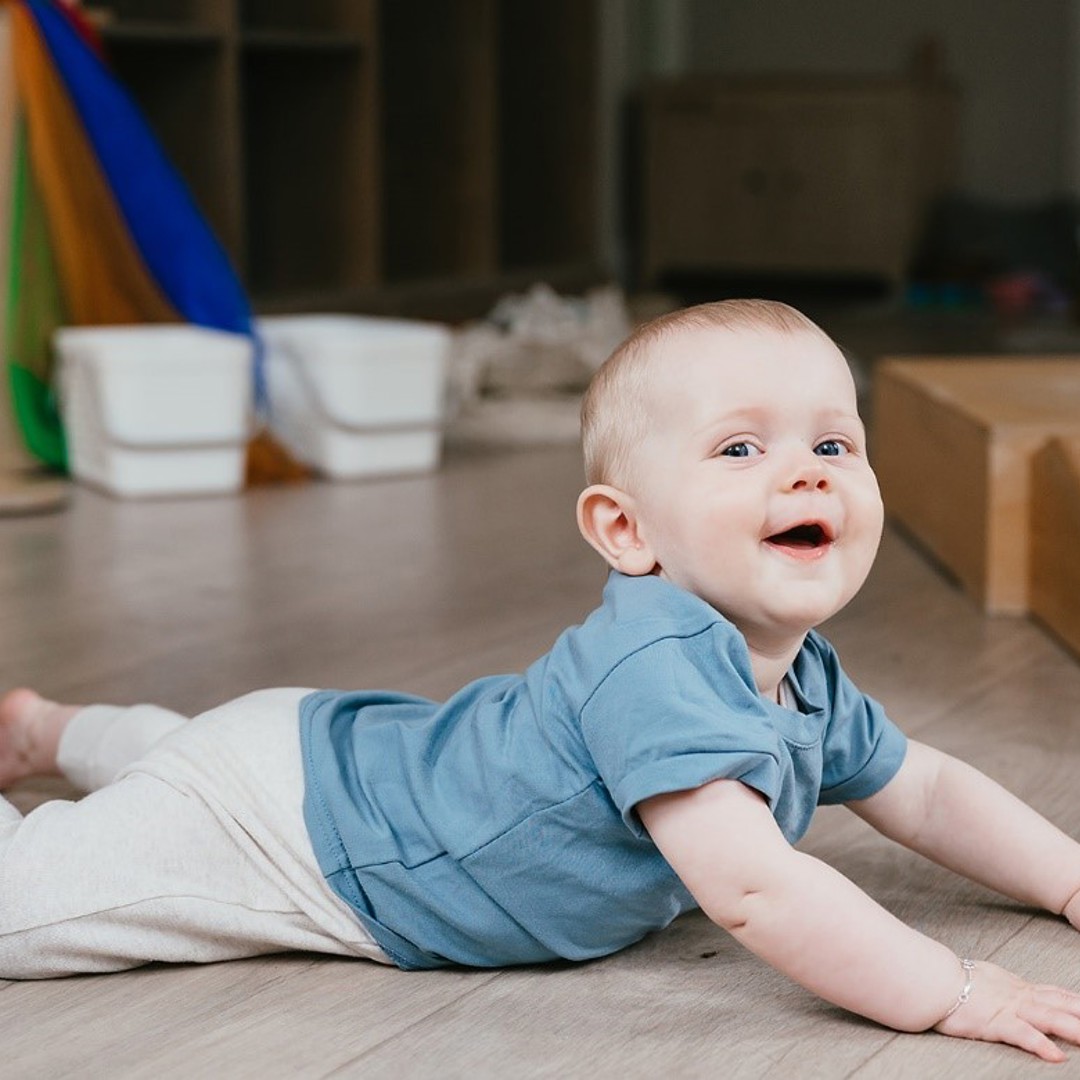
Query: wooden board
(1055, 539)
(953, 443)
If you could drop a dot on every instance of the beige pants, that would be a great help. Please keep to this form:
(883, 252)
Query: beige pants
(190, 847)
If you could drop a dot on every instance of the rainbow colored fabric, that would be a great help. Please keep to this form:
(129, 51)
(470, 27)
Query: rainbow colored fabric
(100, 227)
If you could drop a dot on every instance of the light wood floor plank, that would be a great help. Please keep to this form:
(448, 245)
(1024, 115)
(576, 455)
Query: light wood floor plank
(277, 1016)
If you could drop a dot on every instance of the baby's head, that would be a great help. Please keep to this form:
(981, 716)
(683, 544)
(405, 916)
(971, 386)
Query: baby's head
(614, 413)
(723, 451)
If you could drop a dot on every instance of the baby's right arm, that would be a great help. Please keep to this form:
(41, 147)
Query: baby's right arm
(810, 922)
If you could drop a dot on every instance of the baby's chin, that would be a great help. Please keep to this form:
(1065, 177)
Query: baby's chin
(796, 616)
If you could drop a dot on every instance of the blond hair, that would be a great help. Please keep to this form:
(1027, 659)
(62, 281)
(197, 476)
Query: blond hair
(614, 413)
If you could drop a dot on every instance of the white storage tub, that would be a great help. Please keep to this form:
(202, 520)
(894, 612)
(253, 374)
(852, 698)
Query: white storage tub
(357, 396)
(156, 409)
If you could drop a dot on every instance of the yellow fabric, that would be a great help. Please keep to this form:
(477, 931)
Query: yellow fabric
(102, 275)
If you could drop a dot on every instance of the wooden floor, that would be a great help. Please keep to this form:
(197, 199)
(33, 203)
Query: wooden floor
(420, 584)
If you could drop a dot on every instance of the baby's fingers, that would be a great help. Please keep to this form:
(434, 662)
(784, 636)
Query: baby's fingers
(1030, 1038)
(1055, 1012)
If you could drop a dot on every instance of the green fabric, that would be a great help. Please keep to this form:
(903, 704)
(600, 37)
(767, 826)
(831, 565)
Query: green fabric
(38, 416)
(36, 309)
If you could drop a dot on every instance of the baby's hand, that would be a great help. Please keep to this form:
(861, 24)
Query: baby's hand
(1005, 1008)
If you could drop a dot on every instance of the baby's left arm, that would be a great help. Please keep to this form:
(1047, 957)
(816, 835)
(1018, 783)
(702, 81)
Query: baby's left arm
(953, 814)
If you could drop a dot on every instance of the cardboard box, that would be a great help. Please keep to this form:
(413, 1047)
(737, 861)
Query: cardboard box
(953, 444)
(357, 396)
(155, 409)
(1055, 539)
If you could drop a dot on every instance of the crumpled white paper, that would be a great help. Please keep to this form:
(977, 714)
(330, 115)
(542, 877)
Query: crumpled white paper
(518, 375)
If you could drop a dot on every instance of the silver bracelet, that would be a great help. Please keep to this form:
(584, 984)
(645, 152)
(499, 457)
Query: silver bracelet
(965, 994)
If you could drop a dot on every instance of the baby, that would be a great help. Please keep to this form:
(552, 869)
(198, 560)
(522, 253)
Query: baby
(664, 755)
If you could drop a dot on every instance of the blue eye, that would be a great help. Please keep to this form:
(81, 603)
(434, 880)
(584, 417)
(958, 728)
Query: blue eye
(830, 448)
(740, 450)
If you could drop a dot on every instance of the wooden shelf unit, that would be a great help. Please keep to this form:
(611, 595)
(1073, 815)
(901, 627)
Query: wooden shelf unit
(364, 155)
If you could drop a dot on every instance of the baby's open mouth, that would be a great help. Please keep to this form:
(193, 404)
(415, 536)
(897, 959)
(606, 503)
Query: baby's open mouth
(809, 535)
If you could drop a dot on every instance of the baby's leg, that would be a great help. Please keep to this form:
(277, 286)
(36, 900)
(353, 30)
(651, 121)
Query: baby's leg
(196, 853)
(101, 741)
(30, 731)
(90, 745)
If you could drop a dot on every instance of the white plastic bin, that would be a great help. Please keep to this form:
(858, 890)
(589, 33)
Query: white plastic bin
(155, 409)
(357, 396)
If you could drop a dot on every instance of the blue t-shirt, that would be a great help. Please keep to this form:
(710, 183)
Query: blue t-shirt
(499, 827)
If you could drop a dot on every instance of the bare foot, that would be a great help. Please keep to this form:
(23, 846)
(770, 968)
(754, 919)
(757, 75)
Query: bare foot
(30, 730)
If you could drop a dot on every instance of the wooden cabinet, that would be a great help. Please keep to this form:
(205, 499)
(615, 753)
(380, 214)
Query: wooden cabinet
(360, 155)
(791, 177)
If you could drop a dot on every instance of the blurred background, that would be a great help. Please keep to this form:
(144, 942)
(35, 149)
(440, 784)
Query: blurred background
(424, 158)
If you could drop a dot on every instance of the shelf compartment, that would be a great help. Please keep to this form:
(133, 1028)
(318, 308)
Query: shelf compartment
(547, 94)
(173, 82)
(437, 93)
(308, 150)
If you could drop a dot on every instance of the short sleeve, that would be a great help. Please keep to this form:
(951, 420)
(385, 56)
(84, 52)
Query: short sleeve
(862, 748)
(676, 715)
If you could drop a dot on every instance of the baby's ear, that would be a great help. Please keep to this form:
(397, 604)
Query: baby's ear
(607, 519)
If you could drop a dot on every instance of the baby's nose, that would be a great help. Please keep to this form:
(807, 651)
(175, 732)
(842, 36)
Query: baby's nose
(809, 475)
